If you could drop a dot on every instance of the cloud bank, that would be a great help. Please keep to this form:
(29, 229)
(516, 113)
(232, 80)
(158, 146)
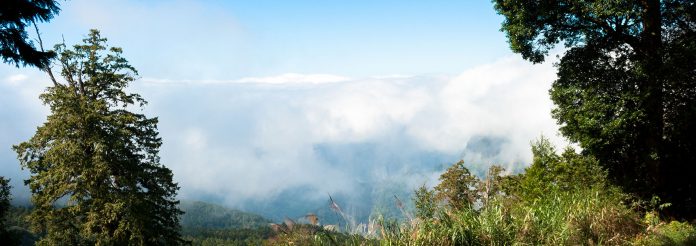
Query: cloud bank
(288, 140)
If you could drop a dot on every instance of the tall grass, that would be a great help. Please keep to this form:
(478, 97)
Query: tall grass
(591, 216)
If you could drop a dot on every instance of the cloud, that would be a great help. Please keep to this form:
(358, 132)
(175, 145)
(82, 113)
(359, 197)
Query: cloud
(342, 136)
(287, 78)
(15, 79)
(294, 78)
(20, 113)
(244, 143)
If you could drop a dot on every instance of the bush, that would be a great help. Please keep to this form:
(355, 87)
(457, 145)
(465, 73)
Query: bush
(672, 233)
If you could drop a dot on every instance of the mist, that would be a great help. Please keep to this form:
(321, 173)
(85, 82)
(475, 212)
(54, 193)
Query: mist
(280, 145)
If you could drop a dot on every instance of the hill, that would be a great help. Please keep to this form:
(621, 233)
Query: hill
(206, 215)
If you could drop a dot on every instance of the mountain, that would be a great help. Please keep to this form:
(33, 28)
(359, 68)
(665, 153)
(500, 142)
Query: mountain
(206, 215)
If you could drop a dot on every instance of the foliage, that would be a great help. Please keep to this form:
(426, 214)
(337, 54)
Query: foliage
(626, 86)
(205, 215)
(424, 200)
(95, 171)
(6, 235)
(561, 199)
(457, 187)
(227, 236)
(553, 172)
(672, 233)
(306, 234)
(557, 218)
(4, 199)
(15, 16)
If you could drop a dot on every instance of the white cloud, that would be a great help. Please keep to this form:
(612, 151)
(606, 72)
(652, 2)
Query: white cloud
(261, 141)
(16, 79)
(242, 140)
(506, 98)
(294, 78)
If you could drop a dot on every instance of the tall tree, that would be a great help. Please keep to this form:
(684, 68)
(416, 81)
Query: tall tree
(96, 176)
(626, 87)
(15, 17)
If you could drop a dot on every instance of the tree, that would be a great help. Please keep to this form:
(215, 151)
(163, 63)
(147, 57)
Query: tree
(15, 16)
(424, 200)
(626, 85)
(96, 176)
(457, 187)
(551, 172)
(4, 200)
(6, 236)
(492, 185)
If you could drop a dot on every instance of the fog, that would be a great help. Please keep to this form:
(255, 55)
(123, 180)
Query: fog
(279, 145)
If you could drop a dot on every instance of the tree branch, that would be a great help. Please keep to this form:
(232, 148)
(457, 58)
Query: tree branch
(47, 67)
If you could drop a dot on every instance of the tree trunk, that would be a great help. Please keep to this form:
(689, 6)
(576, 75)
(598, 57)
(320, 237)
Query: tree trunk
(652, 93)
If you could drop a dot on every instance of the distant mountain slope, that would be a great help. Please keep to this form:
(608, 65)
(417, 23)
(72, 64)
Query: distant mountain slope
(206, 215)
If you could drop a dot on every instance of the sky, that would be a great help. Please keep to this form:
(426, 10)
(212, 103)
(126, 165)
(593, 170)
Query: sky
(261, 99)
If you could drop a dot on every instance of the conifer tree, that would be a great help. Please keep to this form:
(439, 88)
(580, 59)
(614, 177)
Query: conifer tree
(96, 176)
(5, 235)
(15, 17)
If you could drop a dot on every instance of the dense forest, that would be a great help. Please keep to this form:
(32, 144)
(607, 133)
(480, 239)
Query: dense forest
(625, 95)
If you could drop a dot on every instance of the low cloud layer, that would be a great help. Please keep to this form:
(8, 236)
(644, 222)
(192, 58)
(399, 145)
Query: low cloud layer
(255, 140)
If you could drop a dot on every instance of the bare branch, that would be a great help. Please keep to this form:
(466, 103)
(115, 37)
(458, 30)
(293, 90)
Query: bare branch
(47, 67)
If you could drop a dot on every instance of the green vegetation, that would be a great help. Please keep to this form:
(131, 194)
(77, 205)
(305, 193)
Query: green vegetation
(15, 17)
(95, 171)
(205, 215)
(672, 233)
(625, 87)
(228, 236)
(559, 200)
(209, 224)
(306, 234)
(5, 234)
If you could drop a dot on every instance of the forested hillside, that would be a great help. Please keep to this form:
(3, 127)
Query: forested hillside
(199, 214)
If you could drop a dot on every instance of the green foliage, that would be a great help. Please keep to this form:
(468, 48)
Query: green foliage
(559, 200)
(305, 234)
(4, 199)
(6, 235)
(205, 215)
(227, 236)
(625, 87)
(95, 171)
(424, 200)
(15, 17)
(457, 187)
(672, 233)
(552, 172)
(583, 216)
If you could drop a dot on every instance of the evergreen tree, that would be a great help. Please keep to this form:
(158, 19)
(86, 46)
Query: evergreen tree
(96, 176)
(5, 235)
(626, 87)
(15, 17)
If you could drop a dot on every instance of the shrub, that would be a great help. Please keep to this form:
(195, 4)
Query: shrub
(672, 233)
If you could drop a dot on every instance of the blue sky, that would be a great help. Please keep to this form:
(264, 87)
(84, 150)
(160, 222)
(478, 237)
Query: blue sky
(257, 99)
(232, 39)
